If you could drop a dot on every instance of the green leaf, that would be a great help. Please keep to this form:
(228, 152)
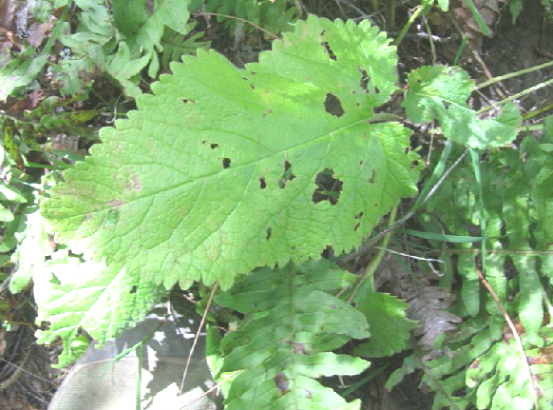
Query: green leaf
(223, 170)
(122, 68)
(74, 296)
(530, 309)
(444, 4)
(11, 194)
(20, 72)
(5, 214)
(515, 7)
(390, 328)
(542, 195)
(143, 23)
(287, 340)
(32, 250)
(441, 92)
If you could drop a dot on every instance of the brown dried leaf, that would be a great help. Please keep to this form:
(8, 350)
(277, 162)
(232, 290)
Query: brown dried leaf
(7, 11)
(37, 32)
(427, 305)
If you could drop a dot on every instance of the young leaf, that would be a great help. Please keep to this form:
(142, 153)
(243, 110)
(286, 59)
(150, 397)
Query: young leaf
(223, 170)
(441, 92)
(286, 343)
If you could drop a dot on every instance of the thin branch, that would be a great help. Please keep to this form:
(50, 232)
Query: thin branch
(515, 335)
(202, 322)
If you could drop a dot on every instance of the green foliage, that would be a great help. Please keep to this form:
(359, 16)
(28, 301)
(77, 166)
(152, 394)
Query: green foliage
(293, 325)
(21, 71)
(441, 93)
(390, 328)
(272, 16)
(117, 41)
(170, 193)
(516, 6)
(479, 368)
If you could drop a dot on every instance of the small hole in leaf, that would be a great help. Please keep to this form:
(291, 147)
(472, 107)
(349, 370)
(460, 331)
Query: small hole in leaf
(360, 163)
(287, 175)
(329, 51)
(333, 106)
(406, 151)
(203, 142)
(328, 252)
(359, 215)
(262, 183)
(134, 290)
(414, 164)
(269, 233)
(364, 79)
(328, 187)
(213, 146)
(356, 227)
(226, 163)
(252, 86)
(373, 175)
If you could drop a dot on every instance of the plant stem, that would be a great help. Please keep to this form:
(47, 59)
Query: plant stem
(408, 25)
(373, 265)
(481, 25)
(513, 74)
(532, 114)
(460, 50)
(515, 96)
(475, 159)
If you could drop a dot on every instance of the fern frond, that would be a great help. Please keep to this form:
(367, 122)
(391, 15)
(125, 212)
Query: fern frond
(293, 325)
(489, 373)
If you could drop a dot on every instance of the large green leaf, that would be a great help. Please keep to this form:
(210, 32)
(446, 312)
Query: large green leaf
(442, 92)
(286, 343)
(223, 170)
